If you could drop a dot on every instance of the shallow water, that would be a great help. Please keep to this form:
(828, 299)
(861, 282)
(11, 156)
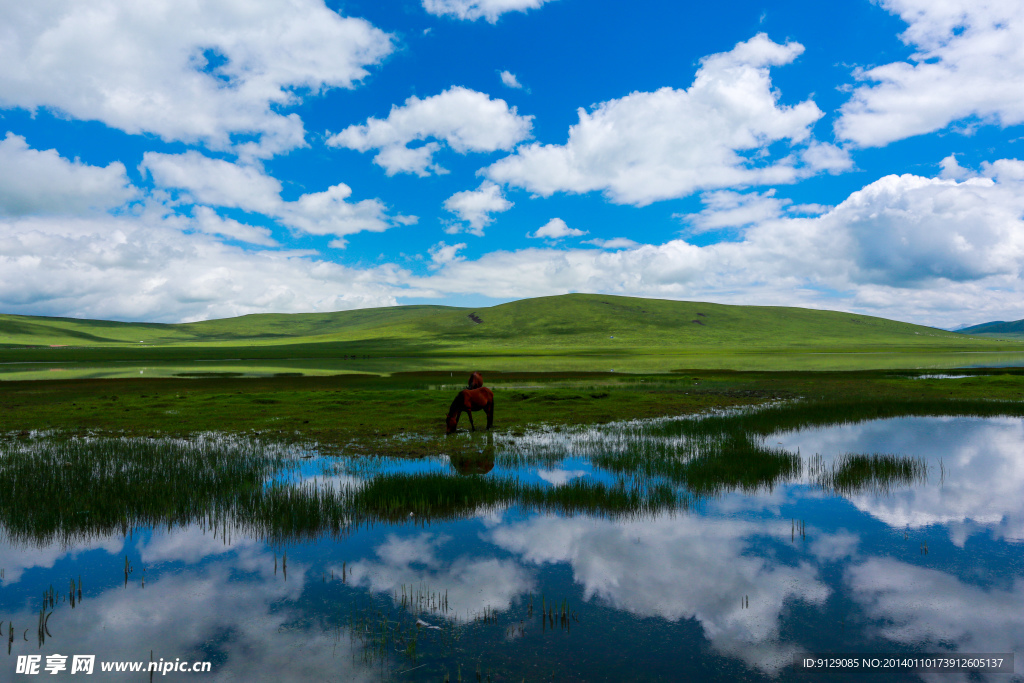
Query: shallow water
(304, 567)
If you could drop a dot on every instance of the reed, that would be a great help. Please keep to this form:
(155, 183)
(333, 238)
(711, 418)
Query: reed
(855, 473)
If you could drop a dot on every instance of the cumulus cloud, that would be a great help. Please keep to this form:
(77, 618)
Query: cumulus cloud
(217, 73)
(556, 229)
(904, 600)
(471, 10)
(471, 584)
(43, 182)
(727, 209)
(649, 146)
(559, 476)
(613, 243)
(476, 206)
(214, 181)
(968, 56)
(442, 254)
(676, 568)
(233, 598)
(464, 119)
(903, 246)
(222, 183)
(164, 268)
(509, 79)
(209, 222)
(982, 490)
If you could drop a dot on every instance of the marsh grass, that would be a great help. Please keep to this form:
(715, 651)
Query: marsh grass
(854, 473)
(66, 490)
(59, 490)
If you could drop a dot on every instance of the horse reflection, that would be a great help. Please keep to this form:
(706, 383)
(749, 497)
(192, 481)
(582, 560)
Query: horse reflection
(473, 463)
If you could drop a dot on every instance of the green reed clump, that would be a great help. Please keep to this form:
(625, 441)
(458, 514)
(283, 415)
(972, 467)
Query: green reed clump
(400, 497)
(63, 490)
(854, 473)
(286, 511)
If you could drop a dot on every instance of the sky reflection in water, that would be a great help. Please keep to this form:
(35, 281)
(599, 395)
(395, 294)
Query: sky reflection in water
(727, 587)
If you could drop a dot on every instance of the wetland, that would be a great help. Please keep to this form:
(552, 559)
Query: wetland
(761, 519)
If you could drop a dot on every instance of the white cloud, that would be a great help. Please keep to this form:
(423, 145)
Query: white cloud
(467, 120)
(912, 605)
(727, 209)
(982, 487)
(613, 243)
(247, 187)
(209, 222)
(476, 206)
(556, 229)
(969, 57)
(472, 10)
(649, 146)
(43, 182)
(218, 73)
(442, 254)
(906, 247)
(676, 568)
(509, 79)
(163, 268)
(559, 476)
(214, 181)
(472, 584)
(233, 598)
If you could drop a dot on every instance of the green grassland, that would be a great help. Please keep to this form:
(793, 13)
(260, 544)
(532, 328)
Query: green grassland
(403, 413)
(576, 332)
(1014, 327)
(381, 380)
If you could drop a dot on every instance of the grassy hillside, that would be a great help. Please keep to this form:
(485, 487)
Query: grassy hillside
(572, 324)
(998, 329)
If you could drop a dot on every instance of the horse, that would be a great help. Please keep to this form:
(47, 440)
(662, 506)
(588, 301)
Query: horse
(467, 401)
(476, 380)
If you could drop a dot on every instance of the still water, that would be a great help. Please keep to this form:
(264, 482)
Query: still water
(661, 551)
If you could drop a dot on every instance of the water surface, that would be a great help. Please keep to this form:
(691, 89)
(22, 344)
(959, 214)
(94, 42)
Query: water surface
(667, 550)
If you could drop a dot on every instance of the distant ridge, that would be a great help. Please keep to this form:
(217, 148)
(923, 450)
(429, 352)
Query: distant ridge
(995, 327)
(566, 324)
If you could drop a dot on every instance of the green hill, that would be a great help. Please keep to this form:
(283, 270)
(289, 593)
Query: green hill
(998, 328)
(571, 323)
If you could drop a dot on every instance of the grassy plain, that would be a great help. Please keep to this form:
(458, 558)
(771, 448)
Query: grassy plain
(403, 413)
(575, 332)
(380, 380)
(578, 325)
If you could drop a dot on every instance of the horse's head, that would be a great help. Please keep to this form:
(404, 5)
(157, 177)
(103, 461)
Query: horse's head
(450, 422)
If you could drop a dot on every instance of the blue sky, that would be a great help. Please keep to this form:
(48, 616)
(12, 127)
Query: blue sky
(171, 162)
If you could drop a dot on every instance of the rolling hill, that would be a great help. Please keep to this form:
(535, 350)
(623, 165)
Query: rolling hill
(997, 328)
(571, 323)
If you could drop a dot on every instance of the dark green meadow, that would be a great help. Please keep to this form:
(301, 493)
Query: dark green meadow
(403, 413)
(381, 380)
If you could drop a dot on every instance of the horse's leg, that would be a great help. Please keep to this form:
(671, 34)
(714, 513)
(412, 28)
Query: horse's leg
(469, 413)
(489, 409)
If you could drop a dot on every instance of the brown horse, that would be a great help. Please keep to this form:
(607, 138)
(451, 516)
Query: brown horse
(467, 401)
(476, 380)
